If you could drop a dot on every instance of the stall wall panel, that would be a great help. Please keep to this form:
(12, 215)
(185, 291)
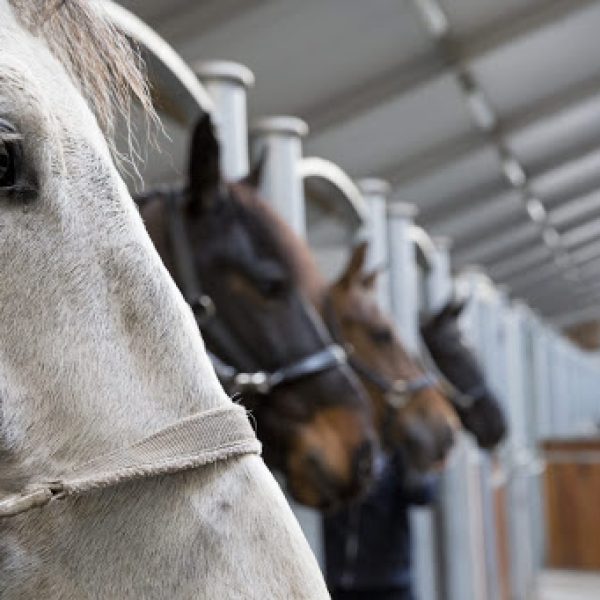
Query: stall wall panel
(572, 490)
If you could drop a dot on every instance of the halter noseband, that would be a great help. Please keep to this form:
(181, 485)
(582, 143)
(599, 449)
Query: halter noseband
(258, 382)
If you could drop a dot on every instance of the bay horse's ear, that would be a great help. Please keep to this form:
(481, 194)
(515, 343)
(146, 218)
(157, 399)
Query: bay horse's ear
(354, 269)
(369, 280)
(254, 177)
(204, 168)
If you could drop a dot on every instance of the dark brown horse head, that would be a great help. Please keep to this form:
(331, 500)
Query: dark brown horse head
(317, 428)
(411, 412)
(478, 409)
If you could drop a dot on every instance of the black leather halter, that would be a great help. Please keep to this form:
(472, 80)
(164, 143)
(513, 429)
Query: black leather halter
(260, 382)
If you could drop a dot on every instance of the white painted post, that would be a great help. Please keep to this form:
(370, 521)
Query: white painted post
(281, 185)
(227, 83)
(375, 193)
(405, 306)
(439, 283)
(403, 273)
(458, 537)
(481, 326)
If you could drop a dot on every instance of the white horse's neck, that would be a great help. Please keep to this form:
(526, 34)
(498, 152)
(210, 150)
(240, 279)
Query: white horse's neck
(98, 349)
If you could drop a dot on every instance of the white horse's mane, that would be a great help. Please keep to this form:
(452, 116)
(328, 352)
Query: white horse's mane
(101, 61)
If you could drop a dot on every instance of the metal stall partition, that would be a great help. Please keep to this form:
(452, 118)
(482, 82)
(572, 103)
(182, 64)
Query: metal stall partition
(520, 459)
(482, 322)
(535, 464)
(179, 99)
(404, 289)
(459, 516)
(278, 141)
(227, 84)
(336, 214)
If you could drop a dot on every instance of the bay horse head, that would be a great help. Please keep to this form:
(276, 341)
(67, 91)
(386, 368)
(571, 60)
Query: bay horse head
(315, 424)
(410, 410)
(476, 405)
(98, 350)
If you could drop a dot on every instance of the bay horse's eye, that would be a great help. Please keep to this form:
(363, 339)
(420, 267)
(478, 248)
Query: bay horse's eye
(382, 336)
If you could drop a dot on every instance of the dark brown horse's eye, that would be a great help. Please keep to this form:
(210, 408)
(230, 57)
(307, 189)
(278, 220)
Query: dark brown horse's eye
(272, 288)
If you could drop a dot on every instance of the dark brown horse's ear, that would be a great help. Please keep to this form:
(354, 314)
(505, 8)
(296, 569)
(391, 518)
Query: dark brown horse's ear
(451, 310)
(457, 306)
(354, 269)
(254, 177)
(204, 169)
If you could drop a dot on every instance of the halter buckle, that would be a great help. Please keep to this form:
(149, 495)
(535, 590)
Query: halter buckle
(254, 382)
(203, 307)
(399, 394)
(29, 498)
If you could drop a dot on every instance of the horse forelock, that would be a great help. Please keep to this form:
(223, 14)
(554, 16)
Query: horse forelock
(292, 248)
(102, 63)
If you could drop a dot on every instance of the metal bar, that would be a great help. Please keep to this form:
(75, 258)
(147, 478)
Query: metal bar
(280, 140)
(375, 192)
(226, 83)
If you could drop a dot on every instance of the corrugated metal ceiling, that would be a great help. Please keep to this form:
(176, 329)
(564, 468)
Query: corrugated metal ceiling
(383, 95)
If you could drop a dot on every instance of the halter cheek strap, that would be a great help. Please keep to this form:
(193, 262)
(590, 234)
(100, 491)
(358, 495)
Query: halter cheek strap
(195, 441)
(397, 391)
(263, 382)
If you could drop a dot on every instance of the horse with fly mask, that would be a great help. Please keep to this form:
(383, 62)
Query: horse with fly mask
(410, 410)
(108, 399)
(233, 259)
(478, 408)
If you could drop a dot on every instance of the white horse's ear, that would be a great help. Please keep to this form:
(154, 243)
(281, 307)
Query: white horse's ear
(353, 272)
(204, 169)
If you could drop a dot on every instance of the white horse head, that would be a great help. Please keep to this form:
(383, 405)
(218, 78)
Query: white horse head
(98, 349)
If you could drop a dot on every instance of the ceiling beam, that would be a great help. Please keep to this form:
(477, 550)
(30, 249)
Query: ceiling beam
(444, 155)
(572, 211)
(492, 249)
(361, 99)
(475, 253)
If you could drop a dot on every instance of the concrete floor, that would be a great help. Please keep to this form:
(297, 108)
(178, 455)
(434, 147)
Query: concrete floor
(569, 585)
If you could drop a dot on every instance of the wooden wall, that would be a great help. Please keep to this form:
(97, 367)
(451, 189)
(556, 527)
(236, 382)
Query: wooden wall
(572, 494)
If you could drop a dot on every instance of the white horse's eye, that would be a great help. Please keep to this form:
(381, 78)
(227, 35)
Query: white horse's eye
(8, 167)
(15, 181)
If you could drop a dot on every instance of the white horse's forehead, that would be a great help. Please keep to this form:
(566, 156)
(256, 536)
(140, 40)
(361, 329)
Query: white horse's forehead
(36, 92)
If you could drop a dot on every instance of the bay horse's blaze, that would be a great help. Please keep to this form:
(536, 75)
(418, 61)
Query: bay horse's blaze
(317, 429)
(423, 422)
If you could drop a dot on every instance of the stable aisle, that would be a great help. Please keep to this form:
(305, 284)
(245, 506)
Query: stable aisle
(569, 585)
